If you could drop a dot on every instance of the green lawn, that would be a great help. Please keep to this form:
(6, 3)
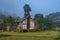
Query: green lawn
(46, 35)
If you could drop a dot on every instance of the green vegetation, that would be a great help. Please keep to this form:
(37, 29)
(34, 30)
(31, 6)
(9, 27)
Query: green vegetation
(46, 35)
(43, 23)
(39, 20)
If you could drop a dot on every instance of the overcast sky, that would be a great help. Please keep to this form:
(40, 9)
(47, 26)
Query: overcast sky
(38, 6)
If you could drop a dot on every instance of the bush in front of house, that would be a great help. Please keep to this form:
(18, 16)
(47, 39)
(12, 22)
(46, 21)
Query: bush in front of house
(32, 30)
(36, 29)
(18, 29)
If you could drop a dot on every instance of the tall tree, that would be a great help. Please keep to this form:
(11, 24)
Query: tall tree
(48, 24)
(27, 10)
(2, 16)
(39, 19)
(55, 17)
(9, 22)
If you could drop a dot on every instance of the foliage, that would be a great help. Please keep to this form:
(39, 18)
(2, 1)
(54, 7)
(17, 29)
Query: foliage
(18, 29)
(39, 19)
(27, 8)
(43, 22)
(7, 19)
(37, 28)
(48, 23)
(55, 17)
(34, 30)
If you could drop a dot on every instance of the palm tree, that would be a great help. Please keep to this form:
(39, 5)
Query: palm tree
(27, 9)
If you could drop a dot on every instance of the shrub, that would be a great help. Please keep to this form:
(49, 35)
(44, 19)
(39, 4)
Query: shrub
(33, 30)
(18, 29)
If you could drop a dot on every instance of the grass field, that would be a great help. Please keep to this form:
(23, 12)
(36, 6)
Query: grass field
(46, 35)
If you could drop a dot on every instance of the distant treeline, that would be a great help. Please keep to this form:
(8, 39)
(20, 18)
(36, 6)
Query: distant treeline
(49, 22)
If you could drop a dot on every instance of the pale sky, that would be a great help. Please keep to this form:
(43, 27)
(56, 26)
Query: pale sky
(38, 6)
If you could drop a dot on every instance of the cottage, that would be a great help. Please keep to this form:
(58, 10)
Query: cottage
(26, 22)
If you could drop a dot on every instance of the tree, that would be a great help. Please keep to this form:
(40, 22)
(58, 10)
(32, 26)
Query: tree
(2, 16)
(39, 19)
(55, 17)
(48, 24)
(10, 22)
(27, 9)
